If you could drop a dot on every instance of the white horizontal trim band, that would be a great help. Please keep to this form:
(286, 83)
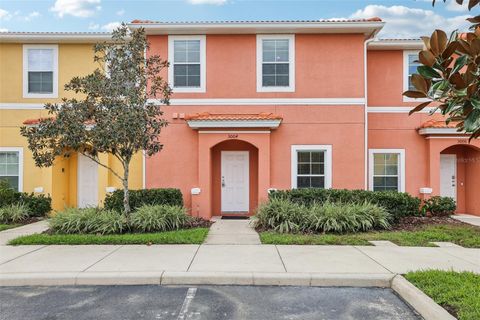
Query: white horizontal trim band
(397, 109)
(236, 132)
(21, 106)
(263, 101)
(197, 124)
(426, 131)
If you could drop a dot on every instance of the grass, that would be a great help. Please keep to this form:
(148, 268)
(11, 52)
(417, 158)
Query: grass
(465, 236)
(8, 226)
(187, 236)
(459, 293)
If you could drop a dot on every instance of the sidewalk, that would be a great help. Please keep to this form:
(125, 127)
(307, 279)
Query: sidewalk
(9, 234)
(232, 232)
(224, 264)
(468, 218)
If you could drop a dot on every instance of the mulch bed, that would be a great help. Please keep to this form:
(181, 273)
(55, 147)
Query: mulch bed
(415, 223)
(197, 222)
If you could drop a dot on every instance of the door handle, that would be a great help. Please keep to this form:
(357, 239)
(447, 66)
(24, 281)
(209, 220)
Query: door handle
(223, 182)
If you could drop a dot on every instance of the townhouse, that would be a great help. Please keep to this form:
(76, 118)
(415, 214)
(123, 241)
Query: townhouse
(34, 67)
(261, 105)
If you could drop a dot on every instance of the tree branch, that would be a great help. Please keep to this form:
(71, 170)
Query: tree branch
(106, 167)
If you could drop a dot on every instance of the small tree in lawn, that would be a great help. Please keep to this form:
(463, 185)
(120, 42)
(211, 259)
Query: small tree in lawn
(111, 113)
(450, 75)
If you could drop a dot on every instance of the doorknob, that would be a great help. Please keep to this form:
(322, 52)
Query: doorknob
(223, 181)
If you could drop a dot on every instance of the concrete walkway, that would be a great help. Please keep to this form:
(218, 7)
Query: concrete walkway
(468, 218)
(232, 232)
(37, 227)
(224, 264)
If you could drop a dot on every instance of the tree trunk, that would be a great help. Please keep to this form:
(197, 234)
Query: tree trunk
(126, 194)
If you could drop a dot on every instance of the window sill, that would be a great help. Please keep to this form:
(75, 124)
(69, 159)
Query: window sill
(40, 95)
(276, 89)
(189, 90)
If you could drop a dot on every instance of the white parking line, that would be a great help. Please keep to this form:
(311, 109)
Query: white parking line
(186, 303)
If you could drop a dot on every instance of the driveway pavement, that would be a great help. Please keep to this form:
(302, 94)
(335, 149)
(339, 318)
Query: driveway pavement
(207, 302)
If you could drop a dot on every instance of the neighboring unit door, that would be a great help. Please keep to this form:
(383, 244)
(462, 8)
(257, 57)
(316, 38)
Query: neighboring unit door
(448, 175)
(235, 181)
(87, 182)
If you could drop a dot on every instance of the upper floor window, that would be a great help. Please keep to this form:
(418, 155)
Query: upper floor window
(40, 75)
(387, 170)
(187, 58)
(11, 160)
(410, 66)
(275, 63)
(311, 166)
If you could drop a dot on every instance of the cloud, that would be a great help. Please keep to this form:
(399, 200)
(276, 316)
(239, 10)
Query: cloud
(452, 5)
(405, 22)
(120, 12)
(3, 30)
(5, 15)
(216, 2)
(31, 15)
(110, 26)
(93, 26)
(76, 8)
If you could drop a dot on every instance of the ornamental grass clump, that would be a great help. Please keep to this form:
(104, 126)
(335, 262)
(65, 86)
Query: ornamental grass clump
(88, 220)
(14, 213)
(349, 217)
(151, 218)
(282, 216)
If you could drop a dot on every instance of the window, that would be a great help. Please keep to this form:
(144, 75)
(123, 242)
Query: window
(409, 68)
(275, 63)
(40, 64)
(11, 166)
(387, 170)
(187, 63)
(311, 166)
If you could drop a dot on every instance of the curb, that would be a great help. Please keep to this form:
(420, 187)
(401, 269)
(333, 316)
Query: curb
(419, 301)
(196, 278)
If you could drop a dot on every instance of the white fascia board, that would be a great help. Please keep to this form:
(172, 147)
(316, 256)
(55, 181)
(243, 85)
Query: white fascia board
(54, 37)
(201, 124)
(396, 45)
(386, 109)
(366, 28)
(428, 131)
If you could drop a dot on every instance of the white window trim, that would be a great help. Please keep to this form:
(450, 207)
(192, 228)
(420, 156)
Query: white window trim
(291, 62)
(406, 53)
(54, 94)
(20, 163)
(203, 63)
(312, 147)
(401, 174)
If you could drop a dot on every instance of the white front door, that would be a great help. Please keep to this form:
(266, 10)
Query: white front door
(87, 182)
(235, 181)
(448, 175)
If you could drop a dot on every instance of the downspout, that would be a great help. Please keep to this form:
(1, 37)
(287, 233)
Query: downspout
(365, 85)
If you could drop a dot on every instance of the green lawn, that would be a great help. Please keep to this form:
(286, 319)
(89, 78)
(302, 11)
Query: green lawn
(459, 293)
(8, 226)
(466, 236)
(187, 236)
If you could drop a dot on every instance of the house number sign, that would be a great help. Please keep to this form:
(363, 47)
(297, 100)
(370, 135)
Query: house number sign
(232, 135)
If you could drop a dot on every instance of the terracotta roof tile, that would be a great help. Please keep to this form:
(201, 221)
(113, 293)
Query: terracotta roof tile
(432, 123)
(138, 21)
(206, 116)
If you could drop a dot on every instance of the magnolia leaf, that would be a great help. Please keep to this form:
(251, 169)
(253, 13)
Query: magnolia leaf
(420, 83)
(420, 107)
(457, 80)
(414, 94)
(426, 42)
(472, 4)
(426, 58)
(428, 72)
(438, 42)
(449, 50)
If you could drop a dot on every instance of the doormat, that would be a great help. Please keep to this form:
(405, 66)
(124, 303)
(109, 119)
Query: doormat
(235, 217)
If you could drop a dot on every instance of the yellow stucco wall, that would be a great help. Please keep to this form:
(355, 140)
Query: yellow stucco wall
(60, 181)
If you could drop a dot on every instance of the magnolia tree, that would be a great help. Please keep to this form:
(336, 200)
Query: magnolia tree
(111, 114)
(450, 75)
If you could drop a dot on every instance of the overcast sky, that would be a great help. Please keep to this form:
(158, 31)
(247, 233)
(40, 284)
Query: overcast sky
(407, 18)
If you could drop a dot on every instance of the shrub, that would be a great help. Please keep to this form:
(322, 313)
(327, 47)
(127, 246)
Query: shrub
(397, 204)
(285, 216)
(351, 217)
(138, 198)
(38, 206)
(282, 216)
(88, 220)
(151, 218)
(13, 213)
(440, 206)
